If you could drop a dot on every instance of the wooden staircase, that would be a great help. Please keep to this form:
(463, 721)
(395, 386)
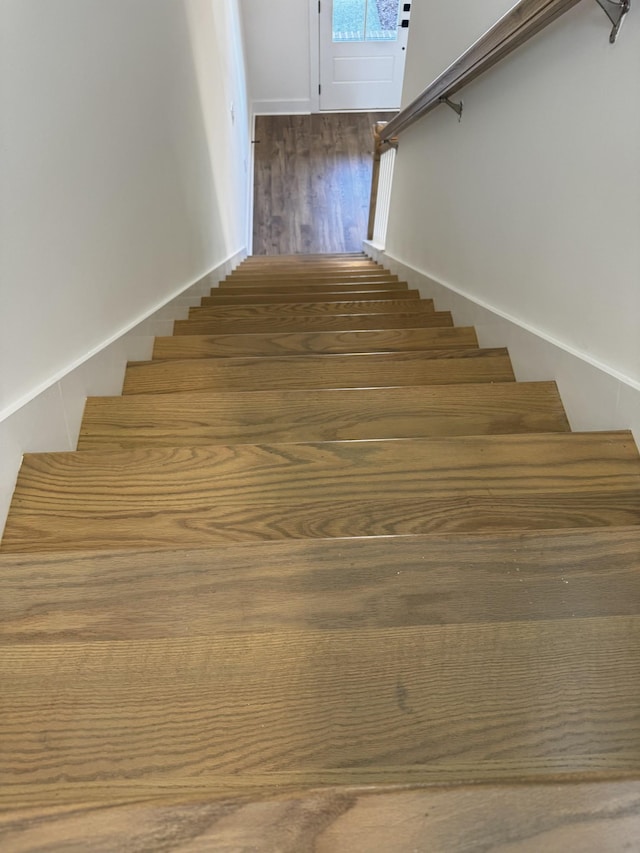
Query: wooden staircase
(321, 561)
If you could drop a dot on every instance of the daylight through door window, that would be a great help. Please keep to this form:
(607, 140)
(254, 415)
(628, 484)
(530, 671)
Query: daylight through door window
(365, 20)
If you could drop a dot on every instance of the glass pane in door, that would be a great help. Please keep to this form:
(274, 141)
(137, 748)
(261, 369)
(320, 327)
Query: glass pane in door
(365, 20)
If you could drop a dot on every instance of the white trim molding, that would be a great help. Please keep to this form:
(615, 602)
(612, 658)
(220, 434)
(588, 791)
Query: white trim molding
(595, 396)
(49, 419)
(294, 106)
(314, 55)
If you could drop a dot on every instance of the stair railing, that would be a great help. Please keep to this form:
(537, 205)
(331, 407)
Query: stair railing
(380, 147)
(516, 27)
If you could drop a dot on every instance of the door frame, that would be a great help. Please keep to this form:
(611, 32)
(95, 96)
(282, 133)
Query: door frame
(314, 57)
(314, 54)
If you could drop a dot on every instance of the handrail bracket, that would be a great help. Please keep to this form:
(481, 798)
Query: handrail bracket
(457, 108)
(616, 12)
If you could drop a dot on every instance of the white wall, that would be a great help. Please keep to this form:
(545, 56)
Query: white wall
(51, 421)
(531, 205)
(122, 181)
(277, 38)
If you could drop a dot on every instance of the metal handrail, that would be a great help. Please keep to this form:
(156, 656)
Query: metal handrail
(515, 28)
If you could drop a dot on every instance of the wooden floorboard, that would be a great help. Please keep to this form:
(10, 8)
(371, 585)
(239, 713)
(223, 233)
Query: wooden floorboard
(326, 415)
(442, 342)
(307, 258)
(362, 370)
(312, 182)
(324, 261)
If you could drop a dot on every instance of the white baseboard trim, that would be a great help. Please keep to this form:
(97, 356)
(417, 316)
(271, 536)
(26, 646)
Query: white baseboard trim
(295, 106)
(49, 419)
(595, 396)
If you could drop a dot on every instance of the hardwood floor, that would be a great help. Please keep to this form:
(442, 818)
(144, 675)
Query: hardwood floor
(312, 182)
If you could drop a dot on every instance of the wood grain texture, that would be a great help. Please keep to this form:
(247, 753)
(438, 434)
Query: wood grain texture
(231, 297)
(324, 260)
(311, 182)
(300, 274)
(169, 496)
(426, 703)
(442, 579)
(340, 518)
(322, 269)
(314, 323)
(289, 287)
(591, 817)
(361, 370)
(237, 279)
(443, 341)
(294, 308)
(255, 417)
(308, 257)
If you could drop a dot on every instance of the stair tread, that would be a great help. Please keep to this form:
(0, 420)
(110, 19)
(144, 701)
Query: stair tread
(280, 285)
(441, 579)
(445, 341)
(254, 417)
(226, 297)
(309, 323)
(395, 287)
(319, 276)
(338, 518)
(341, 260)
(282, 310)
(420, 704)
(168, 494)
(309, 262)
(316, 371)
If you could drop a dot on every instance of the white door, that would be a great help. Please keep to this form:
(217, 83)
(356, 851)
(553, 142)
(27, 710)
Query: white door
(362, 52)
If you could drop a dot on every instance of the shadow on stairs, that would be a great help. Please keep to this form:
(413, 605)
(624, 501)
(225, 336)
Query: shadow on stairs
(325, 577)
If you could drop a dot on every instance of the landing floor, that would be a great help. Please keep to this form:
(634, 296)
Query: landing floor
(312, 182)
